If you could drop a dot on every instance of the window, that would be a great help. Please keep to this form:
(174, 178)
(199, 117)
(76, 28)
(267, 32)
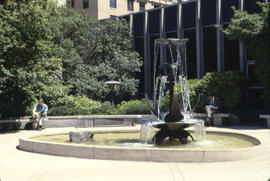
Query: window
(142, 6)
(112, 16)
(138, 24)
(85, 4)
(191, 53)
(208, 12)
(171, 18)
(154, 25)
(227, 12)
(130, 5)
(156, 6)
(113, 3)
(210, 49)
(72, 3)
(189, 15)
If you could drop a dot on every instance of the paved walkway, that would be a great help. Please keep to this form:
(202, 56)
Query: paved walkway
(17, 165)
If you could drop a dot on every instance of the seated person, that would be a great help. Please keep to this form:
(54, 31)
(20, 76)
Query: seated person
(212, 107)
(40, 112)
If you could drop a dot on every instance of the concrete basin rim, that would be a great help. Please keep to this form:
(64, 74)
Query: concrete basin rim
(255, 147)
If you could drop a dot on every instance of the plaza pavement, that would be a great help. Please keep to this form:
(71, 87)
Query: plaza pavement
(17, 165)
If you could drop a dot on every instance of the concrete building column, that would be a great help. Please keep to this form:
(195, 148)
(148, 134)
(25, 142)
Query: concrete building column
(199, 41)
(162, 36)
(220, 38)
(180, 29)
(147, 68)
(242, 55)
(131, 30)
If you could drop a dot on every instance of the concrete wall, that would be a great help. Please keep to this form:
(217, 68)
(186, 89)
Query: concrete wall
(100, 9)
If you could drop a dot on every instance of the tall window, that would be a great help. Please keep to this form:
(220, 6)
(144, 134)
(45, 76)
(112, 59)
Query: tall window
(156, 5)
(113, 3)
(85, 4)
(72, 3)
(142, 6)
(130, 5)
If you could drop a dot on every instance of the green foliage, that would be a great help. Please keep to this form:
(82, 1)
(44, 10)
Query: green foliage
(81, 102)
(74, 105)
(28, 65)
(16, 102)
(106, 109)
(194, 96)
(253, 30)
(67, 110)
(133, 107)
(77, 105)
(95, 53)
(49, 51)
(225, 85)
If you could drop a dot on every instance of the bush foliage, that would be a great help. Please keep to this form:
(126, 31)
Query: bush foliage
(225, 85)
(52, 52)
(133, 107)
(253, 30)
(72, 105)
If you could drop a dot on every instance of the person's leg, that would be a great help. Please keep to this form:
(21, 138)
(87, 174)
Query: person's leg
(213, 111)
(209, 120)
(209, 115)
(35, 115)
(40, 122)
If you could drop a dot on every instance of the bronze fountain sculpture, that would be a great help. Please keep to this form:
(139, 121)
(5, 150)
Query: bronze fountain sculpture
(167, 75)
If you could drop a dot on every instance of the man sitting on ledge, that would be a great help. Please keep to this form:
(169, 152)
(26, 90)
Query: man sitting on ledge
(40, 112)
(212, 107)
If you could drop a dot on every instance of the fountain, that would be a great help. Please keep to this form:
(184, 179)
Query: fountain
(173, 122)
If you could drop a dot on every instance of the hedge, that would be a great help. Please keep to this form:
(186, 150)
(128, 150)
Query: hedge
(225, 85)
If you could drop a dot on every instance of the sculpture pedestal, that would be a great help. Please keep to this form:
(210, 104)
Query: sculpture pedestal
(173, 130)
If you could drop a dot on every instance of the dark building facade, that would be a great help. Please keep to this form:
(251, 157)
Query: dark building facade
(208, 49)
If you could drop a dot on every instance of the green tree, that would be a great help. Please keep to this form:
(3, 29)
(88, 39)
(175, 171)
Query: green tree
(52, 51)
(29, 65)
(253, 30)
(98, 52)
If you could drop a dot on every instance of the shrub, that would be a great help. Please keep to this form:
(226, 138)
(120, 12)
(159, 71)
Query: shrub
(67, 110)
(193, 83)
(16, 103)
(106, 108)
(133, 107)
(81, 102)
(74, 105)
(225, 85)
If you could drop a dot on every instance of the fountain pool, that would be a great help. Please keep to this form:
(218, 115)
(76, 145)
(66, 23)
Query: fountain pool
(123, 143)
(214, 140)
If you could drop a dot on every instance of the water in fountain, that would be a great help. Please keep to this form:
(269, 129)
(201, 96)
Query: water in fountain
(162, 86)
(146, 133)
(199, 130)
(167, 77)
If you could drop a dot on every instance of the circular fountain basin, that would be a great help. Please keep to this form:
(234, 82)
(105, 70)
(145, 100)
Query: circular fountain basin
(123, 145)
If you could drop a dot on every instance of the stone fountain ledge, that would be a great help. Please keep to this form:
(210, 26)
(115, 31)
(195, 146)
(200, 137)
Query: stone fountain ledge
(144, 154)
(90, 120)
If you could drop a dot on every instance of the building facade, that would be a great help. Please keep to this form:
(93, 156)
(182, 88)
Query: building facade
(102, 9)
(208, 50)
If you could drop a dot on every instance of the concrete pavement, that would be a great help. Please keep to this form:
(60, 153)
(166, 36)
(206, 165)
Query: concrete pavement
(17, 165)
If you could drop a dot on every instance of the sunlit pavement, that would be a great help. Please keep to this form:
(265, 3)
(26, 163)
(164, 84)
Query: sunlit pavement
(17, 165)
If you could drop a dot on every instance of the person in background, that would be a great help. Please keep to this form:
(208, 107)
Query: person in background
(212, 106)
(40, 112)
